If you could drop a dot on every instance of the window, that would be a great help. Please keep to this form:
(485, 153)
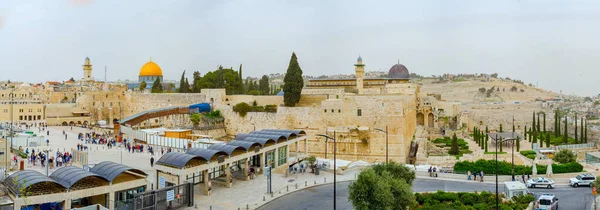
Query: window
(332, 111)
(339, 111)
(325, 110)
(282, 155)
(359, 112)
(39, 117)
(20, 117)
(5, 110)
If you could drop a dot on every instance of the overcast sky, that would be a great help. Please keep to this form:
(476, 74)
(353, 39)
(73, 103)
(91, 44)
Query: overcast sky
(550, 43)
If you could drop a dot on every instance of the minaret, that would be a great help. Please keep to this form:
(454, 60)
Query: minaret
(360, 75)
(87, 70)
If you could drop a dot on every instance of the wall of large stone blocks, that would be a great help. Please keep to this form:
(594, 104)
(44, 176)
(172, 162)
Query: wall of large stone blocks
(249, 99)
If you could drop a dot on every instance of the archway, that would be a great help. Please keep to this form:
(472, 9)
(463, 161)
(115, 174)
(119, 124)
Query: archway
(78, 122)
(71, 123)
(64, 123)
(420, 119)
(85, 123)
(430, 120)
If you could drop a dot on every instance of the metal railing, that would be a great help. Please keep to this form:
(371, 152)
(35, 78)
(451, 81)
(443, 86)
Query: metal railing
(574, 146)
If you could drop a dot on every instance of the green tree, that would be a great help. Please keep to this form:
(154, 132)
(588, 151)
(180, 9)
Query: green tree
(542, 140)
(487, 138)
(500, 145)
(397, 170)
(518, 142)
(454, 150)
(293, 82)
(142, 85)
(195, 118)
(586, 129)
(548, 139)
(241, 87)
(380, 191)
(501, 128)
(196, 82)
(156, 86)
(525, 133)
(556, 123)
(581, 133)
(575, 122)
(533, 124)
(544, 122)
(565, 156)
(566, 136)
(183, 84)
(475, 135)
(221, 78)
(263, 85)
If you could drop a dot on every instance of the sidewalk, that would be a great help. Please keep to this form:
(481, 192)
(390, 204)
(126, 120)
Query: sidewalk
(559, 179)
(252, 194)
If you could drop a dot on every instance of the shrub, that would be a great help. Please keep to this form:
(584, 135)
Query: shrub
(242, 109)
(505, 168)
(527, 152)
(271, 108)
(565, 156)
(531, 156)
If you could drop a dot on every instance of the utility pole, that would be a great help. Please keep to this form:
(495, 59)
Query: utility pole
(47, 157)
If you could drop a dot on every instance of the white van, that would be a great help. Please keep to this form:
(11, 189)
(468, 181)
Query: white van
(583, 179)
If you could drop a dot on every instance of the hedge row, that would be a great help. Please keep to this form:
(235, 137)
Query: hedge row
(505, 168)
(464, 200)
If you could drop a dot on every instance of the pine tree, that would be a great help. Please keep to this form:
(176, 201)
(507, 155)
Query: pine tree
(542, 140)
(143, 86)
(487, 138)
(293, 82)
(575, 122)
(156, 86)
(196, 82)
(586, 129)
(187, 86)
(566, 136)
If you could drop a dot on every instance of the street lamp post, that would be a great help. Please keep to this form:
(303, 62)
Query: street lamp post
(334, 162)
(47, 157)
(386, 142)
(513, 163)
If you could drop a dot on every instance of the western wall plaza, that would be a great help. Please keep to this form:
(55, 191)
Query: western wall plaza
(280, 105)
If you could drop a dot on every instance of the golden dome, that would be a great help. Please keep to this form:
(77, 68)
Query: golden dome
(150, 69)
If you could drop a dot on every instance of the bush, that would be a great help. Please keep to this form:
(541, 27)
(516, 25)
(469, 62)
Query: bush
(271, 108)
(531, 156)
(527, 152)
(505, 168)
(565, 156)
(242, 109)
(468, 201)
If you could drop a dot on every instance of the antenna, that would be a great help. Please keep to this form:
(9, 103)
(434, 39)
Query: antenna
(104, 74)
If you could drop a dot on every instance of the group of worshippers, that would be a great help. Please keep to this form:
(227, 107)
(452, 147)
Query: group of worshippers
(61, 158)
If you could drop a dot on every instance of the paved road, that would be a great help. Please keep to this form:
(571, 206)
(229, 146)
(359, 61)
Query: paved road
(321, 197)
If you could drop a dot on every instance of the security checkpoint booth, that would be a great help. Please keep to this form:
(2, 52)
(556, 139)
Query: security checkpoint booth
(240, 158)
(106, 184)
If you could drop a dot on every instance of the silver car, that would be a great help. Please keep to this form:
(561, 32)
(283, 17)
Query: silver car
(540, 182)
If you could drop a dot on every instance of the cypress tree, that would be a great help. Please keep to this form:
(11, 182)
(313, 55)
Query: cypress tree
(500, 145)
(156, 86)
(487, 139)
(518, 142)
(476, 136)
(538, 124)
(293, 82)
(482, 140)
(544, 122)
(500, 128)
(548, 140)
(541, 140)
(566, 136)
(525, 133)
(533, 124)
(575, 122)
(182, 86)
(586, 128)
(581, 125)
(556, 124)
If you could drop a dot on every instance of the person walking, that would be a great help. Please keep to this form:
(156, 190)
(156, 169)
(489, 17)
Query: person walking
(47, 142)
(475, 175)
(468, 175)
(481, 180)
(523, 177)
(151, 161)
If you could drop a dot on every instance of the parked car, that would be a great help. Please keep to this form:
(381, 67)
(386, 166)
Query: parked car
(547, 202)
(583, 179)
(540, 182)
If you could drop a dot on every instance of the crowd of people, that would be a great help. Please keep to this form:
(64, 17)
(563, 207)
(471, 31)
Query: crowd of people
(39, 158)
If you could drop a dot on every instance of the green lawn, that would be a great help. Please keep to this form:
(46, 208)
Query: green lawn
(446, 142)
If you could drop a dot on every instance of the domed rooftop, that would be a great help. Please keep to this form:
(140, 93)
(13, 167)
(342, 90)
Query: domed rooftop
(150, 69)
(398, 71)
(359, 58)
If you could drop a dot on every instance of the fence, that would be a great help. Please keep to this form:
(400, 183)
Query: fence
(174, 197)
(25, 141)
(574, 146)
(161, 141)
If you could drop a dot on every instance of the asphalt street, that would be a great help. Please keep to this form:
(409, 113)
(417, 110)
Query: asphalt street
(321, 197)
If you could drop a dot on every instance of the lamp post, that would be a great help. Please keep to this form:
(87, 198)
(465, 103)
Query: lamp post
(47, 157)
(386, 142)
(513, 163)
(334, 162)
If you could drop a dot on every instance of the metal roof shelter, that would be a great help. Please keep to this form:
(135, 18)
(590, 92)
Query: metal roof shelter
(226, 148)
(287, 135)
(267, 135)
(69, 175)
(245, 144)
(504, 135)
(297, 132)
(261, 141)
(177, 159)
(207, 154)
(110, 170)
(27, 178)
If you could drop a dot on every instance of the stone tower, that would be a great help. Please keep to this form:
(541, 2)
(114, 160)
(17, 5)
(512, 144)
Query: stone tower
(87, 70)
(360, 74)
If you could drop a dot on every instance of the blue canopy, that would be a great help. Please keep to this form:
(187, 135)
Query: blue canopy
(197, 108)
